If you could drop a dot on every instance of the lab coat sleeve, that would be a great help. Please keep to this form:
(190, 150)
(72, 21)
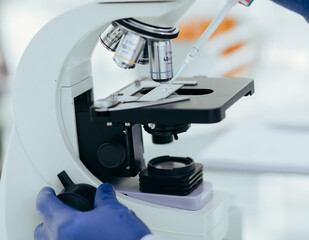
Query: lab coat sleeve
(152, 237)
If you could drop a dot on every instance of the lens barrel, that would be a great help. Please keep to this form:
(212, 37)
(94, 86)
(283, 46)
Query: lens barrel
(129, 50)
(110, 38)
(161, 60)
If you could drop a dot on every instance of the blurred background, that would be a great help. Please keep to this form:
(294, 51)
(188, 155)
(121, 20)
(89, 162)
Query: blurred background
(259, 153)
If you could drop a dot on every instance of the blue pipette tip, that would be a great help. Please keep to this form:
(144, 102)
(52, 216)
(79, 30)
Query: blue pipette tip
(182, 67)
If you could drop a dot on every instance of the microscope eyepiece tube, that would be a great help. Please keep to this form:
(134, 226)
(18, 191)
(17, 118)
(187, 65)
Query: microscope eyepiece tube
(110, 38)
(129, 49)
(161, 60)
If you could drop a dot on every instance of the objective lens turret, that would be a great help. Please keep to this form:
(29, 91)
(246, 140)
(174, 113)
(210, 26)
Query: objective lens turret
(135, 42)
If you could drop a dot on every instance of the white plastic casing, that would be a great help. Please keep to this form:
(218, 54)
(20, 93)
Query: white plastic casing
(54, 69)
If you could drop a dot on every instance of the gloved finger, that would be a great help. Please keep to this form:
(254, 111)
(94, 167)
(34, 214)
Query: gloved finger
(299, 6)
(49, 205)
(40, 233)
(105, 194)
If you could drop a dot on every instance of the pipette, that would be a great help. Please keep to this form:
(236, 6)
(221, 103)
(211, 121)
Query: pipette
(209, 32)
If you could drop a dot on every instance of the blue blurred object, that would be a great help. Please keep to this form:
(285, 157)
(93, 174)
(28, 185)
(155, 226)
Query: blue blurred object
(299, 6)
(108, 220)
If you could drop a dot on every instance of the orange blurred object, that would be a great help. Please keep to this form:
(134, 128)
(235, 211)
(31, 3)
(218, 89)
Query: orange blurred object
(233, 48)
(238, 71)
(193, 29)
(3, 71)
(227, 48)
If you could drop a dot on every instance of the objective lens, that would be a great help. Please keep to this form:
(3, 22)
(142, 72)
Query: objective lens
(129, 50)
(111, 37)
(144, 57)
(161, 61)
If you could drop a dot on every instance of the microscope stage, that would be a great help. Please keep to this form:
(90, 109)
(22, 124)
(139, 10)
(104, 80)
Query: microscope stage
(206, 102)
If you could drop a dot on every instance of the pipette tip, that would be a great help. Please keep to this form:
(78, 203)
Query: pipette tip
(182, 67)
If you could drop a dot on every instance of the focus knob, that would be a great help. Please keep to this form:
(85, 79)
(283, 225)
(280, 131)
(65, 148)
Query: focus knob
(78, 196)
(111, 155)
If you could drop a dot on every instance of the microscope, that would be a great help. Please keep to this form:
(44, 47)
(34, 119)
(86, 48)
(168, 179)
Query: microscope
(60, 133)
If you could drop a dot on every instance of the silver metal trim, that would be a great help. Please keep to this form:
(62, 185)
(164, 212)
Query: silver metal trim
(163, 91)
(152, 29)
(135, 105)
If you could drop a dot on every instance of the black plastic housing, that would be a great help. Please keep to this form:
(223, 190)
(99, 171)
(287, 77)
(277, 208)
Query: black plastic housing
(209, 100)
(101, 143)
(174, 181)
(103, 133)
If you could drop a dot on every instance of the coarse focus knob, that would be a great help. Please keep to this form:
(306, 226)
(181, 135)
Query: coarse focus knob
(78, 196)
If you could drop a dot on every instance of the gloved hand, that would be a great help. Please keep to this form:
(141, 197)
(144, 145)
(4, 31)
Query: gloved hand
(299, 6)
(109, 220)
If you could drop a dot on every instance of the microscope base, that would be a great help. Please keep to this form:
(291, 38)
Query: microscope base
(208, 223)
(194, 201)
(21, 182)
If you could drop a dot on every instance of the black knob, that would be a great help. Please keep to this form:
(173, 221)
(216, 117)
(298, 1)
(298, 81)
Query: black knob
(78, 196)
(111, 155)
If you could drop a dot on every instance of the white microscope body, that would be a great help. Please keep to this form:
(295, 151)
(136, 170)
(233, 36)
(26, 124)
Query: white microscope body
(54, 69)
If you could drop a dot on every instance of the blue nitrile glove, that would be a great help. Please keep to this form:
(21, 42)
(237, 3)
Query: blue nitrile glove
(109, 220)
(299, 6)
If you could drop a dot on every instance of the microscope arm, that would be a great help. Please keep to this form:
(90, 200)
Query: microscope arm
(53, 70)
(56, 67)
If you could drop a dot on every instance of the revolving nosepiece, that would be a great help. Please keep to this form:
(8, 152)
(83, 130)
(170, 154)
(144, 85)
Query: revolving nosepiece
(135, 42)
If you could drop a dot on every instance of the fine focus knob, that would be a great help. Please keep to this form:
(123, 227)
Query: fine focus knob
(111, 155)
(78, 196)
